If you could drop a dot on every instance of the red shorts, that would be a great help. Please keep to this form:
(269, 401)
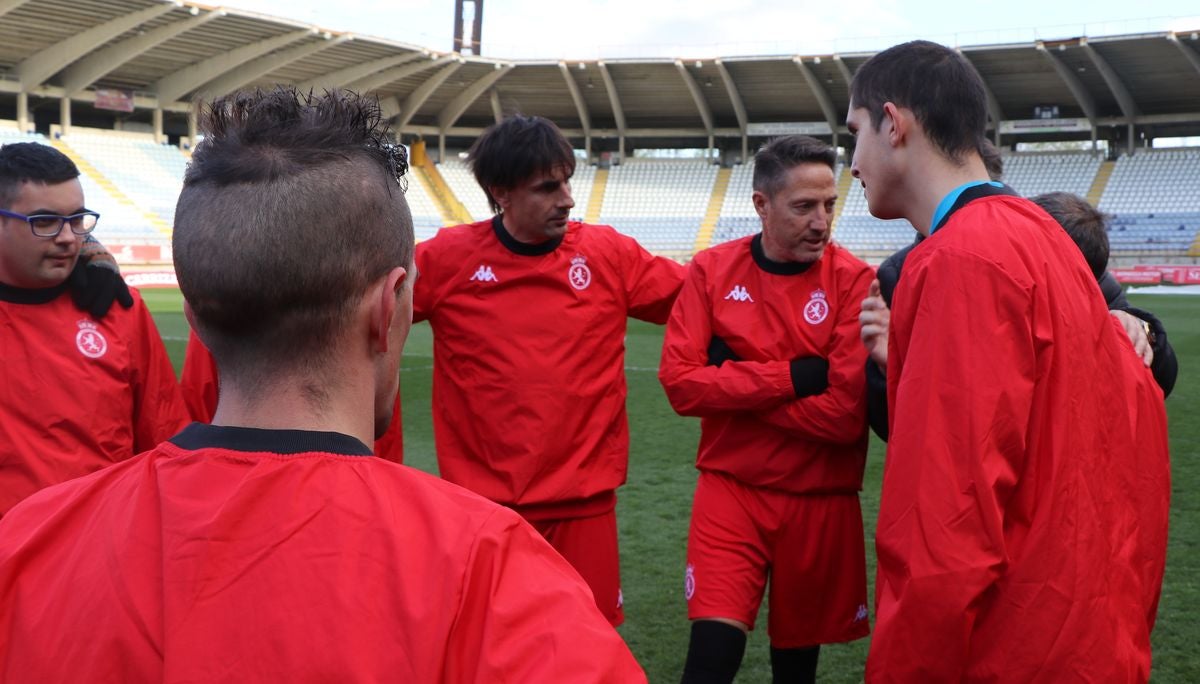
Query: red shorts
(811, 546)
(590, 546)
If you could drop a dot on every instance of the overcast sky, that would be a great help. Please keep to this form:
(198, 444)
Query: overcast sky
(591, 29)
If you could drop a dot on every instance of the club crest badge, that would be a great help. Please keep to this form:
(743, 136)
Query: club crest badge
(90, 341)
(817, 309)
(689, 583)
(579, 275)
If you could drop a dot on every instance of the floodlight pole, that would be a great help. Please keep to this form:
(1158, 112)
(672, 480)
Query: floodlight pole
(475, 44)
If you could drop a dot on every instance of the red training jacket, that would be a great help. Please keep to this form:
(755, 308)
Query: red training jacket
(199, 381)
(529, 349)
(238, 554)
(78, 394)
(1023, 523)
(753, 427)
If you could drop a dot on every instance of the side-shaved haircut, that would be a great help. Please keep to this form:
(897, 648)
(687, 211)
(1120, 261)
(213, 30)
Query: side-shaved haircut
(291, 206)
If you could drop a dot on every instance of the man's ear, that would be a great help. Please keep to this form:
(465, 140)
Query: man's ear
(897, 122)
(501, 195)
(189, 315)
(760, 201)
(385, 306)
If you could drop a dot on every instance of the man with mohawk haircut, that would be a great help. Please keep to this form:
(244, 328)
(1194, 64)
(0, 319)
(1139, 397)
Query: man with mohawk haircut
(271, 545)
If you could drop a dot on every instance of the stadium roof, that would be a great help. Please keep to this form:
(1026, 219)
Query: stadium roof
(171, 54)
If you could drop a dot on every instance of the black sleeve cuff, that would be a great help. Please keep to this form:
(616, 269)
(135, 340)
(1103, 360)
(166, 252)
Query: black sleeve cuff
(877, 408)
(810, 375)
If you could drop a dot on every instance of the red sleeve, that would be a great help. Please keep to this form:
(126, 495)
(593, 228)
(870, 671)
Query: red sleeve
(961, 401)
(695, 388)
(391, 445)
(422, 286)
(158, 409)
(199, 380)
(526, 616)
(651, 283)
(837, 415)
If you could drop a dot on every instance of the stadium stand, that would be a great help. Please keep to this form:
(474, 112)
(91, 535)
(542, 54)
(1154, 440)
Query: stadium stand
(1037, 173)
(1155, 199)
(123, 218)
(462, 184)
(738, 217)
(864, 234)
(148, 174)
(427, 219)
(661, 203)
(581, 188)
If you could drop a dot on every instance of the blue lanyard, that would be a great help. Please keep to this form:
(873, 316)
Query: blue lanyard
(948, 201)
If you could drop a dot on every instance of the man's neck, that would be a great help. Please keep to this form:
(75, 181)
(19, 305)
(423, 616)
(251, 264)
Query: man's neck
(345, 406)
(520, 235)
(930, 180)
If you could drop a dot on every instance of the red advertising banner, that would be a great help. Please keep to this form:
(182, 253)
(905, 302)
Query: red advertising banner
(1189, 275)
(1129, 275)
(151, 279)
(115, 99)
(137, 254)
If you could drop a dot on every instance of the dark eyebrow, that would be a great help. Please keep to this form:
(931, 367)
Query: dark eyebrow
(50, 212)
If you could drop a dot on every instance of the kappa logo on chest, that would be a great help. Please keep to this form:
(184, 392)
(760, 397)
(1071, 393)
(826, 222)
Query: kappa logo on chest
(484, 274)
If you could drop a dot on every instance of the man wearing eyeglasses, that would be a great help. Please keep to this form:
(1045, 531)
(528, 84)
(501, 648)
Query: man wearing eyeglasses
(80, 392)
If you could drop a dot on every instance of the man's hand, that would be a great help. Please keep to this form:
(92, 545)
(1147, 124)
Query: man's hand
(874, 321)
(1136, 329)
(719, 352)
(96, 281)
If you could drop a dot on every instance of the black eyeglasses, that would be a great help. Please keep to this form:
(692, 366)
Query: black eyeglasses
(50, 225)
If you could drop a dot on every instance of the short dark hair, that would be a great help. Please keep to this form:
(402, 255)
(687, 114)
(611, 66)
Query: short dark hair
(774, 159)
(291, 207)
(941, 88)
(29, 161)
(992, 161)
(514, 150)
(1086, 225)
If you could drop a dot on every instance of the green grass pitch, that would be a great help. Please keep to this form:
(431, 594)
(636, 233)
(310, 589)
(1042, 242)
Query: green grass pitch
(654, 506)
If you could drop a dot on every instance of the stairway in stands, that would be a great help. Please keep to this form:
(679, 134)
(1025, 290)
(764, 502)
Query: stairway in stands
(704, 236)
(844, 183)
(1100, 183)
(86, 167)
(596, 199)
(452, 210)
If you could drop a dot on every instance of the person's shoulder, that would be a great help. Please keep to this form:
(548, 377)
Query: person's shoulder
(449, 237)
(428, 496)
(724, 253)
(50, 508)
(592, 234)
(843, 259)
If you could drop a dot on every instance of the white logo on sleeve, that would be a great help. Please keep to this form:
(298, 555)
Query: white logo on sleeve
(689, 582)
(739, 294)
(90, 340)
(484, 274)
(861, 614)
(817, 309)
(579, 275)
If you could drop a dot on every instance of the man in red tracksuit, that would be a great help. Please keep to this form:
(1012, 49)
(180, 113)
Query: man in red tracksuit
(201, 389)
(763, 345)
(529, 311)
(271, 545)
(1023, 521)
(82, 388)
